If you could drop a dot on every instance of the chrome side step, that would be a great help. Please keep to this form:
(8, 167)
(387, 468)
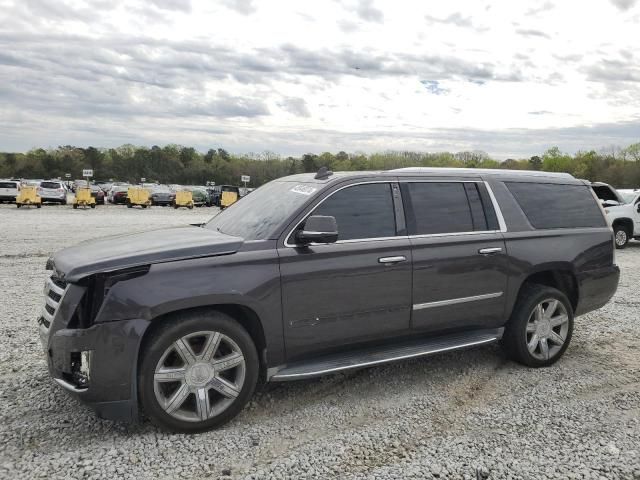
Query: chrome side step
(382, 354)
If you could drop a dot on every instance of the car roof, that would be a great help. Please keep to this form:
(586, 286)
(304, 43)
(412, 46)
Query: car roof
(533, 175)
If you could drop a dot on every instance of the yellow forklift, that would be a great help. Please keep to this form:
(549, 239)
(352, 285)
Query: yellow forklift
(138, 196)
(28, 195)
(184, 198)
(84, 198)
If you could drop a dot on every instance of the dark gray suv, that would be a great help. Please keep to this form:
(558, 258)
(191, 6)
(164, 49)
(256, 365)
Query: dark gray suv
(314, 274)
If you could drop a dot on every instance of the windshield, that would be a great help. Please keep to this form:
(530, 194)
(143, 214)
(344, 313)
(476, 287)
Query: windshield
(257, 216)
(628, 197)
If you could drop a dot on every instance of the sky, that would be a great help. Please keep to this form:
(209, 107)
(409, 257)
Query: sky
(511, 78)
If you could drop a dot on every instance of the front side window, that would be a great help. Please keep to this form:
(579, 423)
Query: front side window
(442, 207)
(361, 211)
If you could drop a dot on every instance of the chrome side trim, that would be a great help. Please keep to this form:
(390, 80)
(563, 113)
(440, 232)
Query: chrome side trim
(496, 208)
(293, 376)
(454, 301)
(70, 387)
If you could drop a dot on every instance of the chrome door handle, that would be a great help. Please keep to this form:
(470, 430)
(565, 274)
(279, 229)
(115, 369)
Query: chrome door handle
(489, 251)
(391, 260)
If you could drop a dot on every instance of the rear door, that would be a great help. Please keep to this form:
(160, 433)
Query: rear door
(356, 289)
(459, 256)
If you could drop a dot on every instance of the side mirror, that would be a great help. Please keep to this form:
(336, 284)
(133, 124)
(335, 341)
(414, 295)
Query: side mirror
(318, 229)
(610, 203)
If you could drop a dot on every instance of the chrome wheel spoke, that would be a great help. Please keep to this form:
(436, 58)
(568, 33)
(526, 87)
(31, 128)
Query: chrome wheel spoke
(202, 403)
(224, 387)
(184, 350)
(539, 312)
(551, 309)
(544, 348)
(177, 399)
(533, 343)
(559, 320)
(555, 338)
(169, 375)
(211, 346)
(531, 327)
(229, 361)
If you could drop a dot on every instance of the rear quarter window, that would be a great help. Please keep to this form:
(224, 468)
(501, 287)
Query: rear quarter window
(549, 205)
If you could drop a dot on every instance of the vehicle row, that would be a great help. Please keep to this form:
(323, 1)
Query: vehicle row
(622, 209)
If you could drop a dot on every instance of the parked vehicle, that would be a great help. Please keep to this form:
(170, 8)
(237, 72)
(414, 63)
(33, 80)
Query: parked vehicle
(53, 191)
(628, 194)
(162, 195)
(623, 213)
(311, 275)
(97, 194)
(118, 194)
(200, 196)
(9, 190)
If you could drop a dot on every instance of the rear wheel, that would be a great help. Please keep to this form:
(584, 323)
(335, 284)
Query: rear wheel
(621, 236)
(540, 327)
(197, 373)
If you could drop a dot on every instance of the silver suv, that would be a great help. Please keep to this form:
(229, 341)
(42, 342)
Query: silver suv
(53, 191)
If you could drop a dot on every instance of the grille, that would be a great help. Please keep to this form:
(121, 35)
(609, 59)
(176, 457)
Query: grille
(54, 289)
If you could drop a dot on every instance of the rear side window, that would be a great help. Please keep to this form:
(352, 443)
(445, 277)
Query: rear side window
(361, 211)
(549, 205)
(445, 207)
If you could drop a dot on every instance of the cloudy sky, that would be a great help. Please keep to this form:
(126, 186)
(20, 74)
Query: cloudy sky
(512, 78)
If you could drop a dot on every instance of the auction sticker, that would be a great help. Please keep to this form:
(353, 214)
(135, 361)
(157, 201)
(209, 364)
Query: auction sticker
(303, 189)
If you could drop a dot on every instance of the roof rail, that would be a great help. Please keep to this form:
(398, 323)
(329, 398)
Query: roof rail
(480, 171)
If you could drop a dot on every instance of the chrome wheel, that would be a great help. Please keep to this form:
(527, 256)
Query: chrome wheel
(621, 238)
(199, 376)
(547, 329)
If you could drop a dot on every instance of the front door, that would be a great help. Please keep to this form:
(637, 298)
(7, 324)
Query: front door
(459, 256)
(356, 289)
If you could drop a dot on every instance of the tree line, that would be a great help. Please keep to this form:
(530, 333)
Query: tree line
(185, 165)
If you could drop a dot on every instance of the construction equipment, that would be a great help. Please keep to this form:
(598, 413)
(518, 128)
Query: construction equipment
(84, 198)
(229, 196)
(28, 195)
(184, 198)
(138, 196)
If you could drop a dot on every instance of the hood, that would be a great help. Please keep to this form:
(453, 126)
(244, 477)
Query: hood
(130, 250)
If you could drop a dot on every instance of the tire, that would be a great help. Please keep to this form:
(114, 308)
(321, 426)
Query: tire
(93, 205)
(129, 205)
(621, 236)
(38, 205)
(143, 206)
(160, 351)
(175, 206)
(552, 331)
(75, 206)
(18, 205)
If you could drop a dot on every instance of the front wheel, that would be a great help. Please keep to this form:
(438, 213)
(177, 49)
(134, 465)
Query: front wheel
(621, 236)
(197, 373)
(540, 327)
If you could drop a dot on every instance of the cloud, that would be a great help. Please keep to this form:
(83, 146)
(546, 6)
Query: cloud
(624, 4)
(368, 12)
(433, 86)
(176, 5)
(295, 105)
(453, 19)
(245, 7)
(532, 33)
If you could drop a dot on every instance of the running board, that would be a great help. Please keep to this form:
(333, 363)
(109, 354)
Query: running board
(383, 354)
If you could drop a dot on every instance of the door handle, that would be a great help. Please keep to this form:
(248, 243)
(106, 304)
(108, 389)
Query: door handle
(489, 251)
(392, 260)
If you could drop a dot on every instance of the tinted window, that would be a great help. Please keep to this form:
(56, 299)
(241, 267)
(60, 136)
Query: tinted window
(557, 206)
(361, 211)
(50, 185)
(8, 185)
(603, 192)
(439, 207)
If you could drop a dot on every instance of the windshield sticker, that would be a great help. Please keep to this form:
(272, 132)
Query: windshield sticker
(303, 189)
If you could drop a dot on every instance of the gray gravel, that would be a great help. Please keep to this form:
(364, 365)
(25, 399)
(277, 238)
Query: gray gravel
(470, 414)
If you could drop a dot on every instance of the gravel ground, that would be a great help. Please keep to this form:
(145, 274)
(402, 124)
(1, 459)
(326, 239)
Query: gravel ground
(469, 414)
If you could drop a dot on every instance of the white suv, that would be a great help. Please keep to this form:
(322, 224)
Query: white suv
(9, 190)
(53, 191)
(623, 212)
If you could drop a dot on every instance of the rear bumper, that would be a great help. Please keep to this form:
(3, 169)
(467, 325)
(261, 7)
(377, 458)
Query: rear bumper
(596, 288)
(111, 389)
